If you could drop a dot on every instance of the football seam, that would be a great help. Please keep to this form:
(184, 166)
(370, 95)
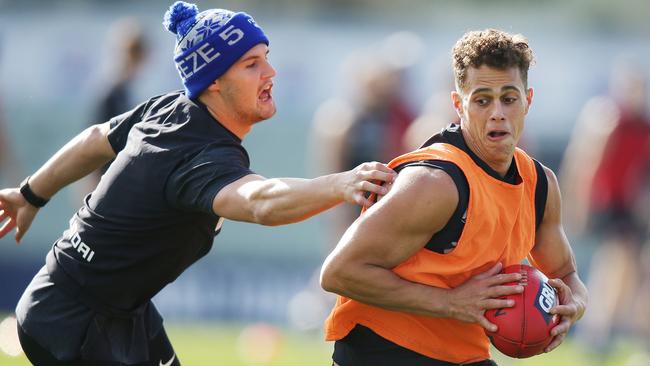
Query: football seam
(525, 322)
(517, 342)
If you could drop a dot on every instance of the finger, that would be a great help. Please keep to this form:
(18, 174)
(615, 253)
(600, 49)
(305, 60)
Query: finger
(498, 291)
(364, 202)
(555, 343)
(359, 199)
(388, 187)
(365, 205)
(379, 176)
(376, 175)
(3, 215)
(558, 284)
(562, 289)
(372, 188)
(490, 272)
(7, 227)
(482, 320)
(379, 166)
(566, 310)
(563, 327)
(385, 168)
(490, 304)
(503, 278)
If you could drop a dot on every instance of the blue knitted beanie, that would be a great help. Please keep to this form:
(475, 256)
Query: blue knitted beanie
(209, 42)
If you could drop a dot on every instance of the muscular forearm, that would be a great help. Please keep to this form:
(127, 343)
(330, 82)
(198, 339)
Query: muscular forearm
(83, 154)
(377, 286)
(281, 201)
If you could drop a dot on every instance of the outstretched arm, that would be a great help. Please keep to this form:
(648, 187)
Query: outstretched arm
(420, 203)
(552, 254)
(280, 201)
(83, 154)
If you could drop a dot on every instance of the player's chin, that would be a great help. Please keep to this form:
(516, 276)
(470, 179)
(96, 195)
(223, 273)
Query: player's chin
(503, 149)
(265, 116)
(266, 110)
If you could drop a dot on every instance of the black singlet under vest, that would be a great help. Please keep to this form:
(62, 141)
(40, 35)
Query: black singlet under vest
(445, 240)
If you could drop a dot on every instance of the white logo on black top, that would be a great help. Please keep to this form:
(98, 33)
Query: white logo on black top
(168, 363)
(82, 247)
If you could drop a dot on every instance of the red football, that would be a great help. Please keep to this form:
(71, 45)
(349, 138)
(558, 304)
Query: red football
(525, 329)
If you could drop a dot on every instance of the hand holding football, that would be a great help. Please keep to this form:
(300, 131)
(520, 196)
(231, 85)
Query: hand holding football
(525, 329)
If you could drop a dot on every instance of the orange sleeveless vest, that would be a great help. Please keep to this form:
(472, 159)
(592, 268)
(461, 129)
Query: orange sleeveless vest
(500, 227)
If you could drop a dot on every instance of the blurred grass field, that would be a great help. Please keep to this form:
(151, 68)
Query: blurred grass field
(264, 345)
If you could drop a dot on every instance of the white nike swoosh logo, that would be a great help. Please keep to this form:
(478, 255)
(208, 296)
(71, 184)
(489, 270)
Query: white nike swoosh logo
(168, 363)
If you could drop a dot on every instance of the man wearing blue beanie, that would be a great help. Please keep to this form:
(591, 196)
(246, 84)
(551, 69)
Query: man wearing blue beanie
(179, 170)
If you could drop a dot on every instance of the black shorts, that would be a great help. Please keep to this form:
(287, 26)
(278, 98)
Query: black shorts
(160, 353)
(58, 329)
(363, 347)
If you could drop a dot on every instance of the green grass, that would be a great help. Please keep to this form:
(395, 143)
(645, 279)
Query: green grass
(220, 344)
(223, 345)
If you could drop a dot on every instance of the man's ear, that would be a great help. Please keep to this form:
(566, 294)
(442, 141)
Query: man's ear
(215, 86)
(457, 101)
(529, 98)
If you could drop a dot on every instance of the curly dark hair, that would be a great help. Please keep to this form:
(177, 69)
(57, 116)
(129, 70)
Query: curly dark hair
(494, 48)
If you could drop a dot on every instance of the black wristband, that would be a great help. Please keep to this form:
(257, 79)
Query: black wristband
(30, 196)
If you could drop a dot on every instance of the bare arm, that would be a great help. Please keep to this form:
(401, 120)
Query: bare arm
(552, 254)
(280, 201)
(83, 154)
(420, 203)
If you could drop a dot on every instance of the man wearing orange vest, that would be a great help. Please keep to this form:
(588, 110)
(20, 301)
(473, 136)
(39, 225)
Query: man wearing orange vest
(417, 271)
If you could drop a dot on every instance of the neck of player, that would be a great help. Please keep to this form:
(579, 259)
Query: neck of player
(227, 117)
(498, 158)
